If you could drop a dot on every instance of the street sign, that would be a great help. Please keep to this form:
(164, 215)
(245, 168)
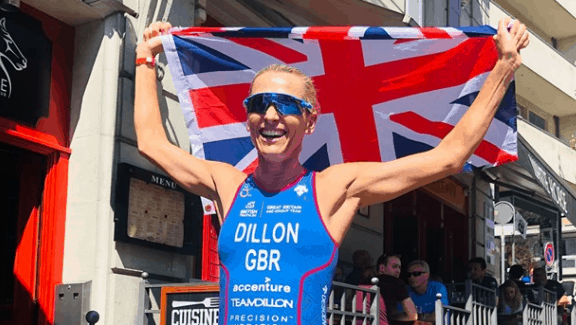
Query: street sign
(521, 225)
(549, 254)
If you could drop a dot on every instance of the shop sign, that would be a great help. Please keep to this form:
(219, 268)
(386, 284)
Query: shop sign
(192, 304)
(554, 189)
(521, 225)
(449, 191)
(562, 196)
(25, 68)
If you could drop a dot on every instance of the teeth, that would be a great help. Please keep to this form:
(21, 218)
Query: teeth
(272, 133)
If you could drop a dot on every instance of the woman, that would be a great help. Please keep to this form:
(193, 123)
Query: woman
(277, 266)
(510, 304)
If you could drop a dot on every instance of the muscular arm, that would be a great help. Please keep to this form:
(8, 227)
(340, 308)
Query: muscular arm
(198, 176)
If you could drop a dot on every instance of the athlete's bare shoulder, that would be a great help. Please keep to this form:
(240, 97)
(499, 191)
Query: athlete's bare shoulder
(227, 180)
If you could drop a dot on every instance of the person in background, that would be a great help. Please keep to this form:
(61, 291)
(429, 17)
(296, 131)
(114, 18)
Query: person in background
(399, 305)
(540, 279)
(477, 269)
(515, 273)
(423, 292)
(510, 304)
(362, 260)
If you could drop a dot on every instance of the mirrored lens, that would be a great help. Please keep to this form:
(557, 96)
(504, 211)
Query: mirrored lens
(284, 104)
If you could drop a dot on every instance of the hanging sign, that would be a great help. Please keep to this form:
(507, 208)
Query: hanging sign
(25, 68)
(549, 255)
(190, 304)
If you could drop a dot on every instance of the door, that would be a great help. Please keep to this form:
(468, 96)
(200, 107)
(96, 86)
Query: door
(22, 173)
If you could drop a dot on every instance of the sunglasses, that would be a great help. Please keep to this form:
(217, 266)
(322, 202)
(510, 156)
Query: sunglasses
(284, 104)
(415, 274)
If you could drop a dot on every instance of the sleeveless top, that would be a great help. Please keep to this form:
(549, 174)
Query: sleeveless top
(277, 257)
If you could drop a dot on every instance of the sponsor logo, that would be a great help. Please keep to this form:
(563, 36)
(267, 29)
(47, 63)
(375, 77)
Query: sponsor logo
(284, 208)
(262, 302)
(323, 305)
(262, 287)
(10, 52)
(259, 319)
(301, 189)
(250, 205)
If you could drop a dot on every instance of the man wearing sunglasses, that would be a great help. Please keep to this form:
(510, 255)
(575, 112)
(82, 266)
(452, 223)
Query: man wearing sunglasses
(278, 246)
(423, 291)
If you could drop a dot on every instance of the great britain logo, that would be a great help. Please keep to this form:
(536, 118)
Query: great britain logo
(9, 52)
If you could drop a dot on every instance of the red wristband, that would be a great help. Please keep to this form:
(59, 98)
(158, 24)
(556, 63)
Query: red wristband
(147, 60)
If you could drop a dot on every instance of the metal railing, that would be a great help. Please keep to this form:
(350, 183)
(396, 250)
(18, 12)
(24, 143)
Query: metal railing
(451, 315)
(355, 304)
(540, 306)
(347, 304)
(478, 300)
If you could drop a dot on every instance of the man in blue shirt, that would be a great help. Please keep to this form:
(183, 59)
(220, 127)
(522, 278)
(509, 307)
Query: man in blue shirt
(422, 291)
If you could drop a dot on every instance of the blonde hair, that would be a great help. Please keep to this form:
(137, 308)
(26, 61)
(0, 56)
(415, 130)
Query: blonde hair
(310, 92)
(516, 301)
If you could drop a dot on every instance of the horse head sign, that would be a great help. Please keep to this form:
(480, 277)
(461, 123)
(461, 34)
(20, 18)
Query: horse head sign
(25, 68)
(9, 53)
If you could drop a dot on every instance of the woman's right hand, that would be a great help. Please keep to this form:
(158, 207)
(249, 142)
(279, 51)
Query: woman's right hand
(152, 45)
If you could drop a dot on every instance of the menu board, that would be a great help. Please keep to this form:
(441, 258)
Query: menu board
(155, 214)
(152, 210)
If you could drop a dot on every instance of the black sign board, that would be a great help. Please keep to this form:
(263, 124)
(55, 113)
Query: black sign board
(560, 194)
(152, 210)
(183, 305)
(25, 68)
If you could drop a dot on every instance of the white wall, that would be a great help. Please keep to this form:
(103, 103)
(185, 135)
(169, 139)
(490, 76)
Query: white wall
(102, 135)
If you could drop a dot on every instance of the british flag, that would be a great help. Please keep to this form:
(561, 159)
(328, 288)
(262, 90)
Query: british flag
(384, 92)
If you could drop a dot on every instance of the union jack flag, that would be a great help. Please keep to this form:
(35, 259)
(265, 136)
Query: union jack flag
(384, 92)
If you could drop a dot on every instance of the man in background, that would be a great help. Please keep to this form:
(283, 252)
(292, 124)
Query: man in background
(423, 292)
(362, 261)
(399, 305)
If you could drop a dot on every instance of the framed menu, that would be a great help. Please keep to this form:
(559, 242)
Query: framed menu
(152, 210)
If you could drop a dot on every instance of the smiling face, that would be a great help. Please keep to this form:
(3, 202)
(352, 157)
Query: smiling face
(278, 137)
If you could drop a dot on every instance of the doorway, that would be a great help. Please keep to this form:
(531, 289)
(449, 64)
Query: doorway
(22, 175)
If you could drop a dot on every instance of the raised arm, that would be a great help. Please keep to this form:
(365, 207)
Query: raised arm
(209, 179)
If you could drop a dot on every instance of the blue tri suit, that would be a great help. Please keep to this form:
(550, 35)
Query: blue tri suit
(277, 257)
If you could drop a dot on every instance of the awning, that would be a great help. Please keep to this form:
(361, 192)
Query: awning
(560, 193)
(534, 178)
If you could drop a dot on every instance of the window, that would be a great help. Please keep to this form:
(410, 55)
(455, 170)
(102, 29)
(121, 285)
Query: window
(520, 110)
(569, 246)
(537, 120)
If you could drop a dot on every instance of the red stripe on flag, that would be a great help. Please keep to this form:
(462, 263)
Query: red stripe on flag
(486, 150)
(432, 32)
(274, 49)
(327, 33)
(219, 104)
(251, 168)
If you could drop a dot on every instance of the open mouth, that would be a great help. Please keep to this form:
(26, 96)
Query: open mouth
(272, 134)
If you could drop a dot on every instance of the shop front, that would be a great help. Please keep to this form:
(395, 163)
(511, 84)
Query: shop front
(35, 80)
(543, 199)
